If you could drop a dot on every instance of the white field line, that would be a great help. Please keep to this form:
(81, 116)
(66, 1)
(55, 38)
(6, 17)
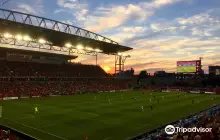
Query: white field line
(27, 117)
(37, 129)
(48, 125)
(107, 138)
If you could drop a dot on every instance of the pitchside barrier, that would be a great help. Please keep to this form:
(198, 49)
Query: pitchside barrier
(215, 91)
(25, 97)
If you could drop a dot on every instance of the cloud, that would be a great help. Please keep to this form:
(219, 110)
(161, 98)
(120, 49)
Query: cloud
(204, 24)
(158, 3)
(134, 29)
(206, 28)
(33, 7)
(200, 32)
(158, 44)
(59, 11)
(117, 15)
(155, 27)
(123, 33)
(26, 8)
(120, 37)
(71, 4)
(198, 19)
(155, 31)
(114, 16)
(75, 7)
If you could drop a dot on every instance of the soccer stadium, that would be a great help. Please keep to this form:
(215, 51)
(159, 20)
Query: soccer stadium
(45, 95)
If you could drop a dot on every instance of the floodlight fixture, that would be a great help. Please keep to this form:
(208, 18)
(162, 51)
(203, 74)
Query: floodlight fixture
(89, 49)
(18, 37)
(119, 54)
(98, 50)
(68, 45)
(7, 35)
(42, 41)
(27, 38)
(79, 47)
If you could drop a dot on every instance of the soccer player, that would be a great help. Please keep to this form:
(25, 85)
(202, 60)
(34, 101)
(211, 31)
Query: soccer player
(151, 107)
(142, 108)
(86, 137)
(192, 101)
(178, 96)
(36, 110)
(158, 101)
(150, 100)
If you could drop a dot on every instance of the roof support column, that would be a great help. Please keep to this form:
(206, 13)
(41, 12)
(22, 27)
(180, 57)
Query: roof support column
(96, 59)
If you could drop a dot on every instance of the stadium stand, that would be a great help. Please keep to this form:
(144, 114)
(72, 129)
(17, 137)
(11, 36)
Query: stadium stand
(33, 69)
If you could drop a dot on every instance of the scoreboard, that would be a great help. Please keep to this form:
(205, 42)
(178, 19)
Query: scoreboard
(189, 66)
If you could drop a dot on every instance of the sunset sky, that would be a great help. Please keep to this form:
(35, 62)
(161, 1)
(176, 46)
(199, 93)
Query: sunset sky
(160, 31)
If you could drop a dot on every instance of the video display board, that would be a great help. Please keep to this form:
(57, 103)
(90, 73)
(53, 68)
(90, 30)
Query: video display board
(187, 66)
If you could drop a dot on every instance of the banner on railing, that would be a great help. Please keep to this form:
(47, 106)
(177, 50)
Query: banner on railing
(10, 98)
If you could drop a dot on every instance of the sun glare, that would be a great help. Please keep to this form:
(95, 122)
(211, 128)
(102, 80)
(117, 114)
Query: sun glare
(106, 68)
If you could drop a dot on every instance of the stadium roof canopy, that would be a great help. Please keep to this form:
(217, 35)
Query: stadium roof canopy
(56, 33)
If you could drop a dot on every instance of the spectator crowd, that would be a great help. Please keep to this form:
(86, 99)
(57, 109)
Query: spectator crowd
(34, 69)
(46, 88)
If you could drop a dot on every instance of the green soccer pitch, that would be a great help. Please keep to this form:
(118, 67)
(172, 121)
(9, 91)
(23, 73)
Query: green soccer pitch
(186, 69)
(74, 117)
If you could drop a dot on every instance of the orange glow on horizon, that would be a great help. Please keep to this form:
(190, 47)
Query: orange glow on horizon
(106, 69)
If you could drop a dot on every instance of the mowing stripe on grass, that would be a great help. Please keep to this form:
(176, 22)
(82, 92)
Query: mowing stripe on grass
(93, 114)
(48, 125)
(29, 116)
(36, 129)
(107, 138)
(140, 126)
